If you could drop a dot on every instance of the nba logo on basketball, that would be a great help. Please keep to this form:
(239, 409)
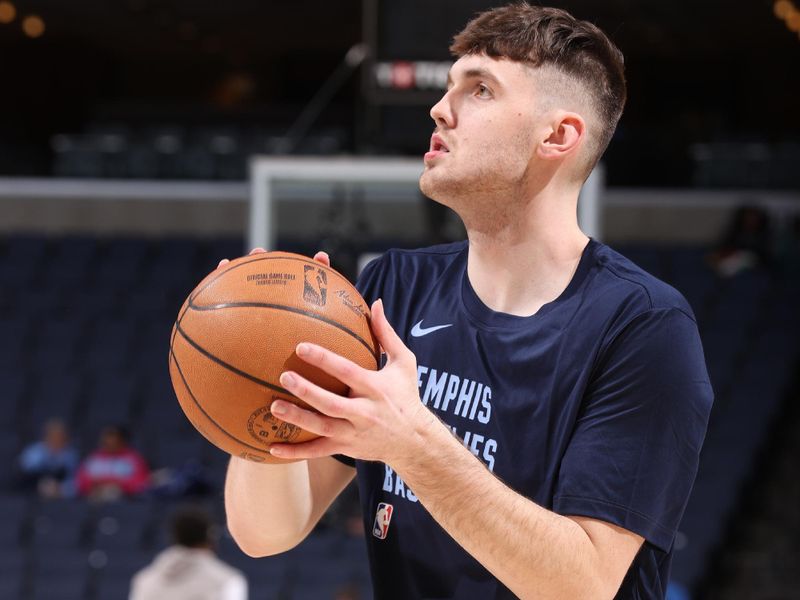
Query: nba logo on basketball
(382, 517)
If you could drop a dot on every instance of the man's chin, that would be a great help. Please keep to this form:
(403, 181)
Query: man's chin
(436, 187)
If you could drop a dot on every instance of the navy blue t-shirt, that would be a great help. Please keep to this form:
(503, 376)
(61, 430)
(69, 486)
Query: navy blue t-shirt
(597, 405)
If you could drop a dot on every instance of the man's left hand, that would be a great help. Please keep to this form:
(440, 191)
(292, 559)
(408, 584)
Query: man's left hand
(381, 419)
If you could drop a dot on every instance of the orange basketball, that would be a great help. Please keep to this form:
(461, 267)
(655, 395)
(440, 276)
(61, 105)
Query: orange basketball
(237, 332)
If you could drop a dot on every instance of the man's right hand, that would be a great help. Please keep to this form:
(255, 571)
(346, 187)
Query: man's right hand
(272, 507)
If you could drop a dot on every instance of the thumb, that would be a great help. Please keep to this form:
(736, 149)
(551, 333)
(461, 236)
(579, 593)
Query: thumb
(385, 333)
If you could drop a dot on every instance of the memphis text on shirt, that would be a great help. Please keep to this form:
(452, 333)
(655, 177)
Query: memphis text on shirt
(451, 395)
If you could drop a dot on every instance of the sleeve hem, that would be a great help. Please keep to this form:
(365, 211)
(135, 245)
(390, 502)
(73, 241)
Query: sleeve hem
(627, 518)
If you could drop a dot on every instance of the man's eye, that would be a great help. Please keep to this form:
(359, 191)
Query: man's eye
(483, 91)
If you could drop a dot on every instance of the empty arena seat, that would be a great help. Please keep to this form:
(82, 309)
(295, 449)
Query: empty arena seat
(67, 587)
(14, 517)
(120, 525)
(59, 524)
(54, 395)
(13, 566)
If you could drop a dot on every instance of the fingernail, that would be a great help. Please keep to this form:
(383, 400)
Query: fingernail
(302, 349)
(275, 450)
(277, 408)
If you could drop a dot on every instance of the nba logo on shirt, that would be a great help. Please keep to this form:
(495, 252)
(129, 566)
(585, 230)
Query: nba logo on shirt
(382, 517)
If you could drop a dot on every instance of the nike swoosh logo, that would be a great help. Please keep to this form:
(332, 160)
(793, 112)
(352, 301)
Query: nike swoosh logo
(418, 330)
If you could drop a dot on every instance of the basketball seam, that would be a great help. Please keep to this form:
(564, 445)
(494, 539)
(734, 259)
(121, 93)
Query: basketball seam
(202, 410)
(229, 366)
(292, 309)
(256, 257)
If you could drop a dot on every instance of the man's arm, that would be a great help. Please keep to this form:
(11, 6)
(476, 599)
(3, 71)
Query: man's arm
(534, 552)
(271, 508)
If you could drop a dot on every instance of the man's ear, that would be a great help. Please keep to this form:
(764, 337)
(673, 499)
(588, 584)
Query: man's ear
(564, 136)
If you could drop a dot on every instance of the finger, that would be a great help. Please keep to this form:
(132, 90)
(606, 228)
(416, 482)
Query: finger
(312, 422)
(328, 403)
(317, 448)
(222, 263)
(322, 257)
(385, 333)
(256, 251)
(334, 365)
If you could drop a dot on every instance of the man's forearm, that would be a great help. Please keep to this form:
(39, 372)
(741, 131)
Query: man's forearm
(534, 552)
(268, 507)
(272, 507)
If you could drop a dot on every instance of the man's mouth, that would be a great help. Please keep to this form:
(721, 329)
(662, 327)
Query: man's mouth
(438, 145)
(437, 148)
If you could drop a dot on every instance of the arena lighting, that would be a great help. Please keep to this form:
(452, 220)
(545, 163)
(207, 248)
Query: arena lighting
(7, 12)
(787, 12)
(33, 26)
(782, 8)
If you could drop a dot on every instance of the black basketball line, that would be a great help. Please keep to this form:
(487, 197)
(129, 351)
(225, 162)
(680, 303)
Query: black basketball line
(185, 310)
(202, 410)
(292, 309)
(174, 328)
(283, 256)
(229, 366)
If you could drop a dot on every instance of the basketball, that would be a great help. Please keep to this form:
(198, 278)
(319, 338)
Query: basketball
(237, 332)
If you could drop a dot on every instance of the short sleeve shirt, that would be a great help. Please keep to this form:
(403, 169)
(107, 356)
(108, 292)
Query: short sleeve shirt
(597, 405)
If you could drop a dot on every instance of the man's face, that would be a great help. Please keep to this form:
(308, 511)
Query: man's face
(111, 441)
(485, 132)
(56, 437)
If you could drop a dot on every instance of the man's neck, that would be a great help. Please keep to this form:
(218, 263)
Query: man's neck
(530, 260)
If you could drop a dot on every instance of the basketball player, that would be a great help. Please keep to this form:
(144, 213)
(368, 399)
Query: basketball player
(536, 427)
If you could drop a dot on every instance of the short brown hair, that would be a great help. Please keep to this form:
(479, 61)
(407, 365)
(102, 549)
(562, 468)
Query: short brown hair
(541, 36)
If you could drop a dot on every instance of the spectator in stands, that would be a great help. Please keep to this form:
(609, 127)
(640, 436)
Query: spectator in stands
(114, 469)
(189, 570)
(746, 244)
(49, 465)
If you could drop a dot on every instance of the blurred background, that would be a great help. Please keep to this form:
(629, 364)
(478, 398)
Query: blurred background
(128, 129)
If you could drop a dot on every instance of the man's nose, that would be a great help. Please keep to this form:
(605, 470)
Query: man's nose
(442, 112)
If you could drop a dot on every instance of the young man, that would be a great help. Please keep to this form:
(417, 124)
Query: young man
(536, 428)
(189, 569)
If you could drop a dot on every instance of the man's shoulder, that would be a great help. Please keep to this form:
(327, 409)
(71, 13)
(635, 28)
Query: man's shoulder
(440, 253)
(409, 264)
(621, 281)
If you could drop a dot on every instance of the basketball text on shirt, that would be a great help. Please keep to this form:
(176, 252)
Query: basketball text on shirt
(452, 394)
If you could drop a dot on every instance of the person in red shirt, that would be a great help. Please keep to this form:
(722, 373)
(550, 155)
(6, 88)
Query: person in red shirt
(114, 469)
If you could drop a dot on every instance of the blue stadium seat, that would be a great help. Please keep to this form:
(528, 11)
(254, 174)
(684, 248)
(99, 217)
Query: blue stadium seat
(60, 524)
(13, 385)
(112, 588)
(110, 342)
(14, 515)
(120, 526)
(38, 303)
(71, 264)
(67, 587)
(94, 302)
(23, 248)
(110, 395)
(54, 394)
(12, 586)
